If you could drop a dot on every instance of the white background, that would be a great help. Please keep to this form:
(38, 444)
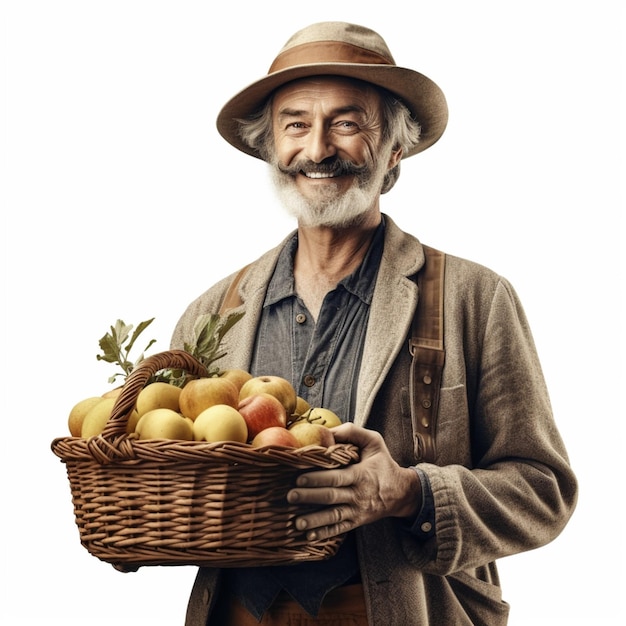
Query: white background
(123, 202)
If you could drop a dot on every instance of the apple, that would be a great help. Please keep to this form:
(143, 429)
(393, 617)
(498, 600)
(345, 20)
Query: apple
(324, 417)
(276, 386)
(131, 423)
(112, 393)
(77, 415)
(274, 436)
(237, 375)
(302, 406)
(201, 393)
(220, 422)
(309, 434)
(261, 411)
(158, 395)
(164, 424)
(97, 417)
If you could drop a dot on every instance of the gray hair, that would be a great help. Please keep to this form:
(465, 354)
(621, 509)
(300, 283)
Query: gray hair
(400, 130)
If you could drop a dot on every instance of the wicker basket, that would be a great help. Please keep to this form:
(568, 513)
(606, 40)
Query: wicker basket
(166, 502)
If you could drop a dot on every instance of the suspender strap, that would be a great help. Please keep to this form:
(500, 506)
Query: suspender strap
(232, 298)
(426, 347)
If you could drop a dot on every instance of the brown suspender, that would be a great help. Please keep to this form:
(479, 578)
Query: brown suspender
(231, 298)
(425, 345)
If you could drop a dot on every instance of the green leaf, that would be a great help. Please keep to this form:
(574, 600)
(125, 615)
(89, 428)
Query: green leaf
(140, 328)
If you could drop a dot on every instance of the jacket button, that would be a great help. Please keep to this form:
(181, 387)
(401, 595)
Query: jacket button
(301, 318)
(309, 380)
(426, 527)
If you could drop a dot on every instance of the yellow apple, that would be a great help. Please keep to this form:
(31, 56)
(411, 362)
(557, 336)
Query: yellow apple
(220, 422)
(113, 393)
(97, 418)
(131, 424)
(310, 434)
(201, 393)
(78, 412)
(164, 424)
(325, 417)
(302, 406)
(237, 375)
(276, 386)
(159, 395)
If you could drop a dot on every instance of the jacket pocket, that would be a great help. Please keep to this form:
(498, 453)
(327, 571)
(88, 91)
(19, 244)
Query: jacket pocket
(480, 600)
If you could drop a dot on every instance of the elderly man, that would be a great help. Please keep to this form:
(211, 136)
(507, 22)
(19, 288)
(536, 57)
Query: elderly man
(436, 498)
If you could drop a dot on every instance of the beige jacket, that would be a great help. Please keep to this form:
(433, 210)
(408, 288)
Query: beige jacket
(502, 483)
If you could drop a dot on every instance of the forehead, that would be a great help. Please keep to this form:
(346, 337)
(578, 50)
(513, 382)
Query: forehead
(338, 90)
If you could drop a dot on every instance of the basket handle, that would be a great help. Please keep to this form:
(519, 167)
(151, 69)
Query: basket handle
(136, 381)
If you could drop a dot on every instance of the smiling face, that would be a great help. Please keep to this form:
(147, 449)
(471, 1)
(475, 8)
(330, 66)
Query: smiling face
(329, 158)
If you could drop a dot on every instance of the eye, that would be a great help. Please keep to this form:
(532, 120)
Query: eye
(346, 126)
(295, 128)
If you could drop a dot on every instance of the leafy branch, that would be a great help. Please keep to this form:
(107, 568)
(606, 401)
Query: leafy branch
(117, 344)
(208, 334)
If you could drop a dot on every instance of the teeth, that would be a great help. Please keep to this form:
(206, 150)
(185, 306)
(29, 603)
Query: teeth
(318, 175)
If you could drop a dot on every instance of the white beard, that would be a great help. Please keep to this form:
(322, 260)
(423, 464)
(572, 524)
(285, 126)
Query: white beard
(329, 208)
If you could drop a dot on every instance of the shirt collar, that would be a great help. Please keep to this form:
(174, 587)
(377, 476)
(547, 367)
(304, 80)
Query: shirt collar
(360, 283)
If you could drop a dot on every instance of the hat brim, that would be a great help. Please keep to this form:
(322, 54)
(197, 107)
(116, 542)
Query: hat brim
(421, 95)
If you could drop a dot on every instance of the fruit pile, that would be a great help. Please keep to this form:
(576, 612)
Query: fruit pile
(226, 405)
(232, 406)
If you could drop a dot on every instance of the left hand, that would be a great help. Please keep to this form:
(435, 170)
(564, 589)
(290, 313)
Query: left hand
(358, 494)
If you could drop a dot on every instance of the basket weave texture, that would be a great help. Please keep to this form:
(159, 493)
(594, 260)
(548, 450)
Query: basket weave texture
(169, 502)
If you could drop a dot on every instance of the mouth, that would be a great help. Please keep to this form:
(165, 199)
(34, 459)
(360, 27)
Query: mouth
(318, 175)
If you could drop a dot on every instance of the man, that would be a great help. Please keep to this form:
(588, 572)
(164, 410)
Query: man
(331, 309)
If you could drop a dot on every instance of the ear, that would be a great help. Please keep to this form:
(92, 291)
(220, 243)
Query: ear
(395, 158)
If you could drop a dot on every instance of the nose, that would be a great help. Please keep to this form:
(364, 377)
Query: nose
(319, 145)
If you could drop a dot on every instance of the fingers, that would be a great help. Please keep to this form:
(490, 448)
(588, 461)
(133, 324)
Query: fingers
(361, 437)
(337, 516)
(326, 478)
(327, 523)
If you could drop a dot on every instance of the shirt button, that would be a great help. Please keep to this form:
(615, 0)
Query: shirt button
(301, 318)
(309, 381)
(426, 527)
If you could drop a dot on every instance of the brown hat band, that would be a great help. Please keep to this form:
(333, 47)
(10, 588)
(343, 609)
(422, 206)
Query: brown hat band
(326, 52)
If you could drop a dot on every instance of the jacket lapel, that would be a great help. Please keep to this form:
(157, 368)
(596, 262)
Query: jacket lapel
(391, 313)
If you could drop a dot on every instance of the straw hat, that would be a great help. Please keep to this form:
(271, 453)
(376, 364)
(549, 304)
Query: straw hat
(340, 49)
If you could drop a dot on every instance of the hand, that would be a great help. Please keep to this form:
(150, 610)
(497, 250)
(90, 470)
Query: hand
(358, 494)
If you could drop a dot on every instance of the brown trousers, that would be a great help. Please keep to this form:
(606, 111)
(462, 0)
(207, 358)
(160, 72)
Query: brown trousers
(344, 606)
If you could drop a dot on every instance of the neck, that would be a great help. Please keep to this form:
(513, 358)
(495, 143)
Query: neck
(327, 255)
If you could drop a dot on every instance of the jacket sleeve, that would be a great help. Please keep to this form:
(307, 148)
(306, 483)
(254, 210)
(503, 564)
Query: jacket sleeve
(512, 489)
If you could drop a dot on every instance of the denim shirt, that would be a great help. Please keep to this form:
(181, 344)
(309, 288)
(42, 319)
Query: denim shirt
(322, 361)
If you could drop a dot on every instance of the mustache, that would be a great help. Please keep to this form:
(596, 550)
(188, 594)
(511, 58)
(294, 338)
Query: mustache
(334, 166)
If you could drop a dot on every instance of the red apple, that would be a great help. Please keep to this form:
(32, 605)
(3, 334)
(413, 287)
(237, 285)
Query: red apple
(261, 411)
(275, 436)
(276, 386)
